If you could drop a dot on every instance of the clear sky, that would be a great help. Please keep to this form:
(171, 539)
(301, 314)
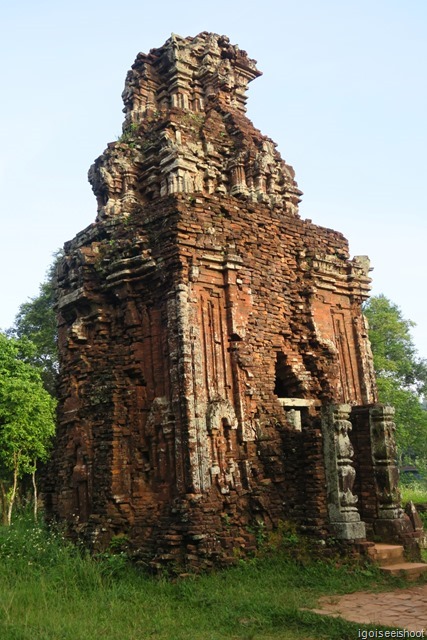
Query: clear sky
(344, 94)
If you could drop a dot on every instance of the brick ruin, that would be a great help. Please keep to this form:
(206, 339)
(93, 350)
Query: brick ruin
(216, 374)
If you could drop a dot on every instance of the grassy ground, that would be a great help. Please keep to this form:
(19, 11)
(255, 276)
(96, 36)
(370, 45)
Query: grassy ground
(50, 591)
(415, 491)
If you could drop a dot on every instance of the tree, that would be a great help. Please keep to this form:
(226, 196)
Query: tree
(401, 374)
(395, 355)
(26, 419)
(36, 320)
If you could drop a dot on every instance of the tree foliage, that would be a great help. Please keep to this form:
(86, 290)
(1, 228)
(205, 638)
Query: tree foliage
(26, 417)
(36, 320)
(401, 374)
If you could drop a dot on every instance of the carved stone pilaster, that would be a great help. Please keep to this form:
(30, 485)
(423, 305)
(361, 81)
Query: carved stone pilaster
(384, 457)
(340, 473)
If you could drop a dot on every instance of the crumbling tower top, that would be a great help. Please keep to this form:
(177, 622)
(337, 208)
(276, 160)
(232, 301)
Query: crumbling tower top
(188, 73)
(185, 131)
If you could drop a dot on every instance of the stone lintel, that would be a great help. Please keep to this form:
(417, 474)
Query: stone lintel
(299, 402)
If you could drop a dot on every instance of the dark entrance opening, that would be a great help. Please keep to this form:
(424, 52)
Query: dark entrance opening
(287, 384)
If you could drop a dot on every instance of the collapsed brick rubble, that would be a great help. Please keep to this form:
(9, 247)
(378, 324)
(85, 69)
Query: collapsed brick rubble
(216, 375)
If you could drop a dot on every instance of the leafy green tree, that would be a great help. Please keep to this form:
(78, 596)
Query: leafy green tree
(36, 320)
(26, 419)
(401, 374)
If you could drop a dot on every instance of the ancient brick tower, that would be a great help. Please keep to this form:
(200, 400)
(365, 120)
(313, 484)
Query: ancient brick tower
(214, 356)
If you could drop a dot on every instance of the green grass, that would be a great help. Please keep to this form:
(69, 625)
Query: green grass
(49, 590)
(415, 492)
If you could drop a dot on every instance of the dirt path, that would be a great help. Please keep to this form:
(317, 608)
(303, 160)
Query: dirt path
(404, 608)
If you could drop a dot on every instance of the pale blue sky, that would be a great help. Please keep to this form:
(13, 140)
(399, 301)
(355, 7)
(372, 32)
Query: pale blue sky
(344, 94)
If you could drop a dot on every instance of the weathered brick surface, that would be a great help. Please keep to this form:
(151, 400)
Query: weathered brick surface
(195, 301)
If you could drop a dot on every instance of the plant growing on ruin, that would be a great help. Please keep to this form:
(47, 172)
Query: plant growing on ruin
(129, 134)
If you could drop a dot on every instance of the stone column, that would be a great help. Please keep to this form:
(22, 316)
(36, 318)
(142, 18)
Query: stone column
(384, 457)
(191, 436)
(238, 177)
(340, 473)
